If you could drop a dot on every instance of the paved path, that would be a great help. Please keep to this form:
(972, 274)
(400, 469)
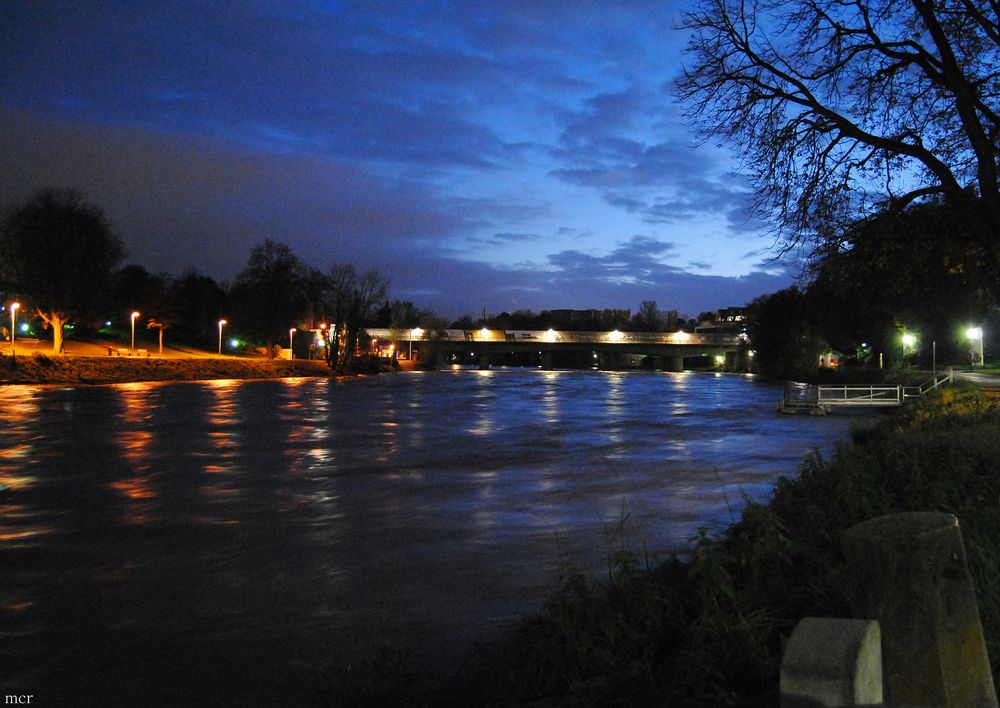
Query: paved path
(980, 379)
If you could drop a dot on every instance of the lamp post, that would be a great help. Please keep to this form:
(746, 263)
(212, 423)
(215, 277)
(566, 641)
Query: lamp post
(134, 315)
(222, 323)
(414, 332)
(976, 334)
(908, 340)
(291, 350)
(13, 319)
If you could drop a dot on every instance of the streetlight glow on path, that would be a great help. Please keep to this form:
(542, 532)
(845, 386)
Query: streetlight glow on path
(134, 315)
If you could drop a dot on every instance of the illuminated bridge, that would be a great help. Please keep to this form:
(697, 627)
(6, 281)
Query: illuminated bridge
(609, 349)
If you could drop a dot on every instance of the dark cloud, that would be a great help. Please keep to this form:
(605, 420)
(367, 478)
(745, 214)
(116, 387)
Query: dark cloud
(178, 202)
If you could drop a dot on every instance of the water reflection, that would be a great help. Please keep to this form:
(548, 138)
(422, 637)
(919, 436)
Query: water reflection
(225, 537)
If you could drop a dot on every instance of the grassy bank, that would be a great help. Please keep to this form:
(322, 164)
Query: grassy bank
(709, 629)
(40, 368)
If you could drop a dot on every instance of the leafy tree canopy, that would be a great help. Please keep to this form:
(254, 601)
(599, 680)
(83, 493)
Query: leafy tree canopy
(269, 293)
(58, 250)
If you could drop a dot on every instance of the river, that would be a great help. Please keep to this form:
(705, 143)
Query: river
(213, 543)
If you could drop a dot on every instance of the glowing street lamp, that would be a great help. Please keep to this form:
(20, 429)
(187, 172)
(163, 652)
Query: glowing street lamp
(222, 323)
(414, 332)
(13, 316)
(908, 341)
(291, 350)
(133, 317)
(976, 334)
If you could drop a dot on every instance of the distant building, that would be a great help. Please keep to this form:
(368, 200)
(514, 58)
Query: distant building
(731, 320)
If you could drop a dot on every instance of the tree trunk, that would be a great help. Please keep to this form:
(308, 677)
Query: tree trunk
(56, 323)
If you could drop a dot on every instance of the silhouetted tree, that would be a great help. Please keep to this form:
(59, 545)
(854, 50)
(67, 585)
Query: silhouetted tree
(351, 299)
(196, 303)
(782, 334)
(648, 318)
(838, 107)
(269, 293)
(914, 268)
(58, 250)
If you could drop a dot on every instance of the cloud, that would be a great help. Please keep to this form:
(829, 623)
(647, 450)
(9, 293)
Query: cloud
(179, 202)
(406, 136)
(504, 239)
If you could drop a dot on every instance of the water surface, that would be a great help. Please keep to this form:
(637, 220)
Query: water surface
(214, 543)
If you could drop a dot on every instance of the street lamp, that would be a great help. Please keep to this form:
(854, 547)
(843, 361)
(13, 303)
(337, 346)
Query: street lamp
(13, 316)
(222, 323)
(908, 341)
(134, 315)
(414, 332)
(291, 350)
(976, 334)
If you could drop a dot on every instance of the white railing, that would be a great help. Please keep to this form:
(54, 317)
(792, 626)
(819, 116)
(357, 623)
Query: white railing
(872, 395)
(859, 395)
(929, 385)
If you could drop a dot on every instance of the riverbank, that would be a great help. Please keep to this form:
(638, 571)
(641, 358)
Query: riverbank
(710, 628)
(38, 368)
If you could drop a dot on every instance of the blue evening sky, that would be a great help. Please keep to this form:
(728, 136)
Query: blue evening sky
(504, 155)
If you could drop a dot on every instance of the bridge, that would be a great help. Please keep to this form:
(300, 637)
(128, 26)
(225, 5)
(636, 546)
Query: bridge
(669, 349)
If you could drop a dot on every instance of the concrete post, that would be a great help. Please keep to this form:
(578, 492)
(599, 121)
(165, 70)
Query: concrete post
(484, 361)
(547, 359)
(911, 575)
(832, 662)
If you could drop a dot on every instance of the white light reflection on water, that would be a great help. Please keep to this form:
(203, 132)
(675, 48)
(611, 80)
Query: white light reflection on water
(290, 522)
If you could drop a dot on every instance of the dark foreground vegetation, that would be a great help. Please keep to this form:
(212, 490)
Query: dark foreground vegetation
(709, 629)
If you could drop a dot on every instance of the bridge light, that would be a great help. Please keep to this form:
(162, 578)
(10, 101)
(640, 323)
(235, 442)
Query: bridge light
(484, 332)
(550, 335)
(616, 336)
(681, 336)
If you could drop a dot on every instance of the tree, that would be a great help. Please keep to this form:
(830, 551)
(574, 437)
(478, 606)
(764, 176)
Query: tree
(269, 292)
(58, 250)
(648, 318)
(351, 299)
(196, 303)
(913, 268)
(841, 106)
(782, 335)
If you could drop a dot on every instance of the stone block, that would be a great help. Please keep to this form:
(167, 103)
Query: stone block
(911, 575)
(832, 662)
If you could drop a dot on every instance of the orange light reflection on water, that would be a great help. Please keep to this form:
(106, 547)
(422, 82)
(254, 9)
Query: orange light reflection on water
(19, 412)
(137, 488)
(221, 463)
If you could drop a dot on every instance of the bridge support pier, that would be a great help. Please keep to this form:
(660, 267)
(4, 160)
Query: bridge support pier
(484, 361)
(547, 359)
(673, 363)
